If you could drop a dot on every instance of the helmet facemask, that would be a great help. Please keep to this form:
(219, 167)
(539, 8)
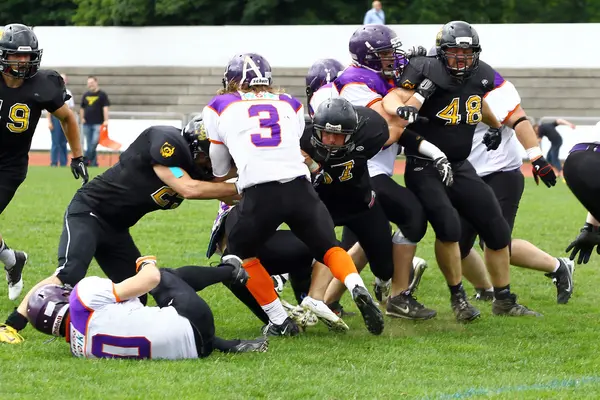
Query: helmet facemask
(21, 69)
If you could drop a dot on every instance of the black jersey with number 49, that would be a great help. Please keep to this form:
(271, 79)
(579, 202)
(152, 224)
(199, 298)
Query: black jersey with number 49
(20, 111)
(454, 109)
(131, 189)
(346, 188)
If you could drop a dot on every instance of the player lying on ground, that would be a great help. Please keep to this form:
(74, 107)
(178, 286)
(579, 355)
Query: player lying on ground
(26, 91)
(259, 129)
(160, 169)
(104, 319)
(501, 170)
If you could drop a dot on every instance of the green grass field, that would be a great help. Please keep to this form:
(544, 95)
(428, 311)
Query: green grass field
(552, 357)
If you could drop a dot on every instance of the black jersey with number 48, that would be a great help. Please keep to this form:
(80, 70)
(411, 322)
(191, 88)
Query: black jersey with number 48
(454, 109)
(20, 111)
(131, 189)
(346, 188)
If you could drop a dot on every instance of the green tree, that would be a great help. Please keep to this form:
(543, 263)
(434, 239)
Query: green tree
(37, 12)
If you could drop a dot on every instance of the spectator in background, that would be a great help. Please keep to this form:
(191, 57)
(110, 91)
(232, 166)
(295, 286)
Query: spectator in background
(549, 130)
(58, 150)
(375, 16)
(94, 114)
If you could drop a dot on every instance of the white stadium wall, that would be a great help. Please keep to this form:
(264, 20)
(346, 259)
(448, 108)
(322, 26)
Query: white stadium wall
(504, 46)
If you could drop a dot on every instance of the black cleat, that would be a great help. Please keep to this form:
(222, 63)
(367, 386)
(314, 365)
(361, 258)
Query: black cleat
(260, 345)
(14, 275)
(483, 295)
(287, 328)
(563, 279)
(372, 315)
(510, 307)
(419, 266)
(463, 310)
(406, 306)
(338, 310)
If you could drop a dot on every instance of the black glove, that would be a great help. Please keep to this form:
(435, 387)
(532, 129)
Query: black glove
(317, 178)
(79, 169)
(419, 51)
(584, 243)
(445, 170)
(426, 88)
(239, 276)
(408, 113)
(492, 138)
(543, 170)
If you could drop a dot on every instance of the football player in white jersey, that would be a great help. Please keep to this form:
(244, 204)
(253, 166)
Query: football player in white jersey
(319, 80)
(501, 170)
(260, 130)
(103, 319)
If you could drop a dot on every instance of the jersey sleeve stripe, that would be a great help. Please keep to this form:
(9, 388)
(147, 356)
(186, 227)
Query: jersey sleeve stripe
(115, 293)
(510, 113)
(369, 104)
(215, 141)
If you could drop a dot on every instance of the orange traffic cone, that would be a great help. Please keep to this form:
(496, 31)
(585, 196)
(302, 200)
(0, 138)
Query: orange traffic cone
(106, 141)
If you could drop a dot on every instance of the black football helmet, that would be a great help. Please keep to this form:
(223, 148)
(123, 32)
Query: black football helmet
(338, 116)
(454, 35)
(195, 135)
(19, 39)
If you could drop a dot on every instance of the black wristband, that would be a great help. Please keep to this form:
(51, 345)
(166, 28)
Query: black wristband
(16, 320)
(517, 122)
(410, 141)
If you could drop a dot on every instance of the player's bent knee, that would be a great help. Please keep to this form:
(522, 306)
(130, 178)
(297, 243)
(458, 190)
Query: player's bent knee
(399, 238)
(69, 275)
(497, 234)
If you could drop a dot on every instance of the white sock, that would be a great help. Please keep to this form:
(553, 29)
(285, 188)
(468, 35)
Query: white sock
(7, 256)
(352, 280)
(557, 266)
(286, 276)
(276, 312)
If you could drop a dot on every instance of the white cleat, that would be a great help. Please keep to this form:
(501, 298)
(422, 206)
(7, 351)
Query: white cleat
(325, 315)
(301, 317)
(14, 275)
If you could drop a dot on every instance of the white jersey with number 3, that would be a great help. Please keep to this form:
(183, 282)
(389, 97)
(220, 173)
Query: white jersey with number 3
(262, 133)
(102, 326)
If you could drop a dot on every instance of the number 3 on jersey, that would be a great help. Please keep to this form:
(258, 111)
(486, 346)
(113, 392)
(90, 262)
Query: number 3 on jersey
(271, 123)
(451, 113)
(18, 116)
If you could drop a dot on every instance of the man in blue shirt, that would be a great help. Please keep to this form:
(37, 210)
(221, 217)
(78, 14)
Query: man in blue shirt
(375, 15)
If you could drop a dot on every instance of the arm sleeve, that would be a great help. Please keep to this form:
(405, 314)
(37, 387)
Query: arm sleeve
(167, 152)
(220, 160)
(106, 100)
(503, 101)
(95, 292)
(57, 92)
(359, 94)
(411, 76)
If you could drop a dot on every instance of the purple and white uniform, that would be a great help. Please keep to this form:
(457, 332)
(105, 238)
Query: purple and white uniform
(323, 94)
(364, 87)
(103, 326)
(503, 101)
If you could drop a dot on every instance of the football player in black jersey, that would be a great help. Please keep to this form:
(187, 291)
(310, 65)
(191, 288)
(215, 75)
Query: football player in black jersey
(160, 169)
(449, 91)
(26, 90)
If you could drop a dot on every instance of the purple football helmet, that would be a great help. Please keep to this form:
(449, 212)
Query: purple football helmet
(320, 73)
(250, 68)
(48, 307)
(369, 42)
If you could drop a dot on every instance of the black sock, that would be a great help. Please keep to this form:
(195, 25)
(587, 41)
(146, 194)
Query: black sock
(456, 289)
(502, 292)
(225, 345)
(16, 321)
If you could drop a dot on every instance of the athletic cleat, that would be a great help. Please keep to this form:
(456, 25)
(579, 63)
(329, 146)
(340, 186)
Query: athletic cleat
(483, 295)
(339, 310)
(9, 335)
(463, 310)
(14, 275)
(406, 306)
(510, 307)
(301, 317)
(260, 345)
(371, 314)
(324, 314)
(382, 289)
(287, 328)
(419, 266)
(563, 279)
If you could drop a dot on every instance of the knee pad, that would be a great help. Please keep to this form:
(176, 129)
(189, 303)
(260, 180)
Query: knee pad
(496, 234)
(399, 238)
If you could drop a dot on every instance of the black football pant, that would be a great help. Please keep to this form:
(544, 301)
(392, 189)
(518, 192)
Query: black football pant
(400, 206)
(581, 171)
(508, 188)
(86, 236)
(469, 197)
(282, 253)
(178, 287)
(9, 183)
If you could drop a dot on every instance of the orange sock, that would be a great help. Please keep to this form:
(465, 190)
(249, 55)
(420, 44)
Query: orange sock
(260, 283)
(340, 263)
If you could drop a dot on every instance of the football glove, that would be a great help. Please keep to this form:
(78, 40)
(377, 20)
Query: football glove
(239, 276)
(317, 178)
(419, 51)
(543, 170)
(584, 243)
(426, 88)
(408, 113)
(492, 138)
(444, 168)
(79, 169)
